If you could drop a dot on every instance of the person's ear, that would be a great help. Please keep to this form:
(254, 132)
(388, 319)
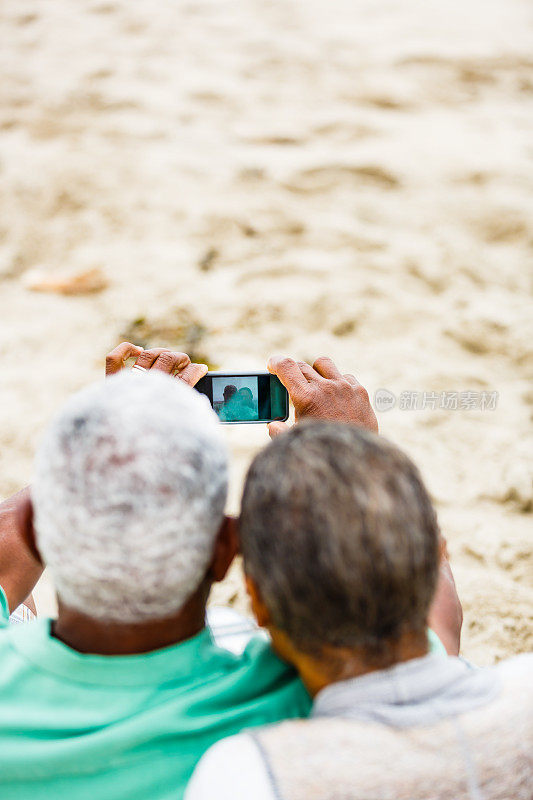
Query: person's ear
(226, 548)
(261, 612)
(24, 518)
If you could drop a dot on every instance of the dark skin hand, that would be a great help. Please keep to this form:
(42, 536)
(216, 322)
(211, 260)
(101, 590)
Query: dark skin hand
(158, 358)
(322, 392)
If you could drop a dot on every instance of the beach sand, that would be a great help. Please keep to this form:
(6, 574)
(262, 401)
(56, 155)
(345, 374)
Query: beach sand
(351, 177)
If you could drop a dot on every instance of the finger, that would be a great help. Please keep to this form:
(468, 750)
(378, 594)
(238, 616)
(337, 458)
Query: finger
(147, 357)
(290, 374)
(277, 428)
(308, 372)
(326, 367)
(192, 374)
(351, 379)
(116, 359)
(170, 362)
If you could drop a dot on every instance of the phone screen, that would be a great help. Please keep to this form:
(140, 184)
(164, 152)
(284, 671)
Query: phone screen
(245, 397)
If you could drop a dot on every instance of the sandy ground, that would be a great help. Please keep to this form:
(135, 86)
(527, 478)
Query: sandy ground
(350, 177)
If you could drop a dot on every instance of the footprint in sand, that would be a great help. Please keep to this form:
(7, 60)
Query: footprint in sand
(280, 273)
(503, 226)
(329, 177)
(385, 102)
(489, 337)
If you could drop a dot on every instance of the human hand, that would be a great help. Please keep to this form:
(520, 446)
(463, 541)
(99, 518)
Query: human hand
(20, 565)
(322, 392)
(159, 358)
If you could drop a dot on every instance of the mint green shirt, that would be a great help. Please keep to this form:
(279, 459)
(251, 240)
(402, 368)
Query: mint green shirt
(80, 726)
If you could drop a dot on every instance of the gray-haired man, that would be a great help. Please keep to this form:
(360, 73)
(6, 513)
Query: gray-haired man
(341, 552)
(120, 696)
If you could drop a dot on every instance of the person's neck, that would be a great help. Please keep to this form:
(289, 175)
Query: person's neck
(88, 635)
(340, 664)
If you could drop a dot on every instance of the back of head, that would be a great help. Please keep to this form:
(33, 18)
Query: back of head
(129, 492)
(340, 537)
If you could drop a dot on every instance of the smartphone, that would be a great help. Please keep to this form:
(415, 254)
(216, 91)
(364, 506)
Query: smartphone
(239, 397)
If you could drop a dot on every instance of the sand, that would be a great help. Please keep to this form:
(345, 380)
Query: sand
(350, 177)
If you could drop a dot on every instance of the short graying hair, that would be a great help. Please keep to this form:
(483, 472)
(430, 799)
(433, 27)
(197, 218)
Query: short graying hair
(129, 492)
(340, 537)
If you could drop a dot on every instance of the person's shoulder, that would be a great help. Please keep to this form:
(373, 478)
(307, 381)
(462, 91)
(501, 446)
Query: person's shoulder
(232, 769)
(280, 687)
(516, 668)
(266, 683)
(261, 658)
(269, 668)
(240, 636)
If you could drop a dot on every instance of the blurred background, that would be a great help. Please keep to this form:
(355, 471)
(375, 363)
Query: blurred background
(232, 179)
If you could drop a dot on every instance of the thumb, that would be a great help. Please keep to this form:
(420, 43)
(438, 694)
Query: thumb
(276, 428)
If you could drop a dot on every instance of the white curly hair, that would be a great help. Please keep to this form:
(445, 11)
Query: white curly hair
(129, 492)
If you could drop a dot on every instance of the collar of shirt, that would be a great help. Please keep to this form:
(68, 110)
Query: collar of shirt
(417, 692)
(188, 658)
